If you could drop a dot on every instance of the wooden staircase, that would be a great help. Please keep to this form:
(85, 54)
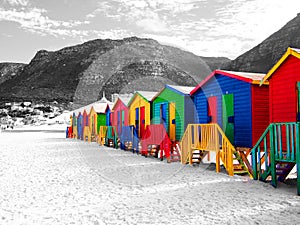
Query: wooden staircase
(198, 155)
(276, 153)
(239, 167)
(199, 139)
(175, 152)
(283, 169)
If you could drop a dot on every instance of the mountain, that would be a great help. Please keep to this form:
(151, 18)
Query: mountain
(215, 63)
(9, 70)
(263, 56)
(81, 73)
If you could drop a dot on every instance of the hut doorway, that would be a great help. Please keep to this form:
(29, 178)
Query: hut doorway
(137, 120)
(172, 123)
(142, 121)
(119, 121)
(212, 110)
(163, 114)
(228, 116)
(298, 102)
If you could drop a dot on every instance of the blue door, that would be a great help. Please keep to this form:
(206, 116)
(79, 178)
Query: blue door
(163, 114)
(137, 119)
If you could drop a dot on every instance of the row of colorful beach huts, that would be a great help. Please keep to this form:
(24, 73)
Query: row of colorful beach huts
(249, 122)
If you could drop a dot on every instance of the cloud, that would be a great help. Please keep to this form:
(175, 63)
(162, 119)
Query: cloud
(103, 7)
(35, 20)
(252, 19)
(152, 25)
(174, 6)
(151, 22)
(204, 27)
(17, 2)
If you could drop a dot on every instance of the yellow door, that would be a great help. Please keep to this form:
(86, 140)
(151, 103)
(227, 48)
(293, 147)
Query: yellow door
(172, 119)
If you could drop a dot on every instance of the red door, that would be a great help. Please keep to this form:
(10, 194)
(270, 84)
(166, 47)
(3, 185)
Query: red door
(212, 114)
(142, 121)
(212, 110)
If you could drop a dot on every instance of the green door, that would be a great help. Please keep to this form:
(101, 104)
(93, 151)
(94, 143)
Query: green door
(228, 116)
(298, 102)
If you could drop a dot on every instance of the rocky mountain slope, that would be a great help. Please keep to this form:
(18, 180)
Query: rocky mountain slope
(262, 57)
(81, 73)
(9, 70)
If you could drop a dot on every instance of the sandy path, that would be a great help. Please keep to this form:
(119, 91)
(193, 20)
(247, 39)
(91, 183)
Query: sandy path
(46, 179)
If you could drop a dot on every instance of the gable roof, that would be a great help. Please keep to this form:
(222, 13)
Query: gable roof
(182, 90)
(124, 98)
(290, 51)
(147, 95)
(253, 78)
(100, 107)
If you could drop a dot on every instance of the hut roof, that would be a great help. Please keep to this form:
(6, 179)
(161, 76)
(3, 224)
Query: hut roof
(183, 89)
(100, 107)
(147, 95)
(125, 98)
(254, 78)
(290, 51)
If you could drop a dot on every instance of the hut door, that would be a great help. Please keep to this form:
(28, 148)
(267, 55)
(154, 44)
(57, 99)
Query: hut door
(119, 122)
(228, 116)
(86, 120)
(163, 114)
(108, 118)
(93, 124)
(212, 110)
(137, 120)
(122, 120)
(172, 124)
(142, 121)
(298, 101)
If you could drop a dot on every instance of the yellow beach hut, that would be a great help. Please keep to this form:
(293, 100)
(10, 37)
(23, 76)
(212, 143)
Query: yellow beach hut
(97, 118)
(140, 110)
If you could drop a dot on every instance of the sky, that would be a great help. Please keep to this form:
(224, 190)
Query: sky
(204, 27)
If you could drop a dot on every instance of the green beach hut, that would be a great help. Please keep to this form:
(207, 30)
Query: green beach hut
(174, 108)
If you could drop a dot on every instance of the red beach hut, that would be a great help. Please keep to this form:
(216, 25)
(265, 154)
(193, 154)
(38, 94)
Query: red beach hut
(120, 116)
(284, 88)
(278, 149)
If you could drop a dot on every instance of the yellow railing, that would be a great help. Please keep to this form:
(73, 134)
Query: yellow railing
(101, 135)
(207, 137)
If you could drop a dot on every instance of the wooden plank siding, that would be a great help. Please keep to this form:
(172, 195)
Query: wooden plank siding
(189, 111)
(217, 86)
(80, 125)
(93, 121)
(167, 96)
(283, 91)
(137, 102)
(260, 111)
(101, 121)
(120, 107)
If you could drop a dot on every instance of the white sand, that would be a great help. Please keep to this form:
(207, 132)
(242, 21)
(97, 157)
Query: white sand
(47, 179)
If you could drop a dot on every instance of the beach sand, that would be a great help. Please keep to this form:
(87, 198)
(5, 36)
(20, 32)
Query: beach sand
(48, 179)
